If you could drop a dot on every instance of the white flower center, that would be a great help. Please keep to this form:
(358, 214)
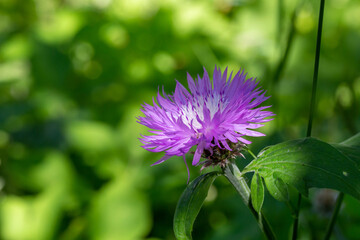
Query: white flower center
(194, 110)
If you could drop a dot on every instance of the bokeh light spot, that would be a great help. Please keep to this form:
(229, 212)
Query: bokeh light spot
(305, 21)
(114, 35)
(344, 95)
(164, 62)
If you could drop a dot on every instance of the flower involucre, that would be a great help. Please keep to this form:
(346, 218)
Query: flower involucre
(210, 115)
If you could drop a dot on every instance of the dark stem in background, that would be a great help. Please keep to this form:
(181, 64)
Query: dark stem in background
(290, 39)
(280, 19)
(296, 219)
(233, 174)
(289, 42)
(313, 100)
(316, 68)
(330, 227)
(284, 53)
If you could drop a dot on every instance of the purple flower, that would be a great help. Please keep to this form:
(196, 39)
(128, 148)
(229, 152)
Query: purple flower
(210, 115)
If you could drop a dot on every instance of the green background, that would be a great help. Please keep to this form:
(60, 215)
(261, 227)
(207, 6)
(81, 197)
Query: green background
(73, 76)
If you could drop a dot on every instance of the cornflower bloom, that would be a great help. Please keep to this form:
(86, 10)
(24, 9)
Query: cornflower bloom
(215, 117)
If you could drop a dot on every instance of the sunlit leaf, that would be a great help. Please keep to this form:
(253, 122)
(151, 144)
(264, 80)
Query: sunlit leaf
(306, 163)
(190, 204)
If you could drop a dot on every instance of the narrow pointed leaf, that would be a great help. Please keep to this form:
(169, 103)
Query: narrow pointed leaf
(257, 192)
(306, 163)
(190, 204)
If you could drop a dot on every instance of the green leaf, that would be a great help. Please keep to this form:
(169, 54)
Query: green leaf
(354, 141)
(350, 148)
(306, 163)
(350, 152)
(257, 192)
(277, 188)
(190, 204)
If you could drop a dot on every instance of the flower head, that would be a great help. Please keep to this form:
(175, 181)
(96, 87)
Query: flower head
(213, 115)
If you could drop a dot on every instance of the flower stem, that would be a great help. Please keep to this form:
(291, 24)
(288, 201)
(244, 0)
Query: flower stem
(251, 153)
(296, 219)
(233, 174)
(313, 100)
(316, 68)
(334, 216)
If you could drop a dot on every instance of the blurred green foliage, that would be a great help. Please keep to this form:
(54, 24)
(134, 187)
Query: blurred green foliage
(73, 75)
